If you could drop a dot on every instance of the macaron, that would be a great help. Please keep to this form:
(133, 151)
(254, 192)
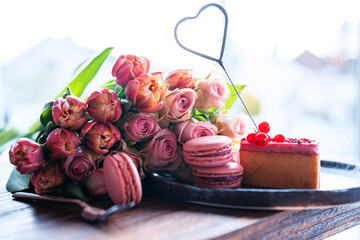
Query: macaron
(225, 176)
(209, 151)
(122, 179)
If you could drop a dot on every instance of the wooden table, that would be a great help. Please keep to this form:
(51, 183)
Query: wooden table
(159, 218)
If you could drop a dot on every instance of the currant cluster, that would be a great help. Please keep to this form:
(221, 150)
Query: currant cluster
(261, 138)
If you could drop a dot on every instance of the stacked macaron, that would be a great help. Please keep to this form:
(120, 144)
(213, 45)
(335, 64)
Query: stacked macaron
(210, 158)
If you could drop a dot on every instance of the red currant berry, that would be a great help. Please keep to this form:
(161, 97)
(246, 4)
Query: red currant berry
(279, 138)
(264, 127)
(261, 139)
(251, 137)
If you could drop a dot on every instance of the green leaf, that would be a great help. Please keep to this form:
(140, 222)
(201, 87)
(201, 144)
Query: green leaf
(110, 84)
(46, 115)
(233, 95)
(18, 182)
(74, 190)
(41, 138)
(79, 84)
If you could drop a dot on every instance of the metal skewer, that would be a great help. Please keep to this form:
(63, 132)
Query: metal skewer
(219, 61)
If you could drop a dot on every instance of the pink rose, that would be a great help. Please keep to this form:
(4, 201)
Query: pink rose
(180, 78)
(234, 127)
(140, 127)
(212, 93)
(104, 106)
(95, 183)
(79, 165)
(61, 143)
(26, 155)
(70, 112)
(192, 128)
(128, 67)
(48, 178)
(146, 92)
(178, 105)
(100, 137)
(162, 152)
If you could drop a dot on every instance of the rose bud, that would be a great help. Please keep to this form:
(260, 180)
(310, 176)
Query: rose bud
(79, 165)
(212, 93)
(70, 112)
(140, 127)
(61, 143)
(193, 128)
(104, 106)
(95, 183)
(26, 155)
(178, 105)
(48, 178)
(235, 127)
(180, 78)
(162, 152)
(100, 137)
(135, 157)
(128, 67)
(146, 92)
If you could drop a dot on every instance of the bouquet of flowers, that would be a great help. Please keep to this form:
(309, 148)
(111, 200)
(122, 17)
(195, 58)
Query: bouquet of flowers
(144, 115)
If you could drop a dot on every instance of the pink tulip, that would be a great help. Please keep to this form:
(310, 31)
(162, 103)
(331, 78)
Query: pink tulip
(192, 128)
(48, 178)
(26, 155)
(100, 137)
(146, 92)
(162, 152)
(178, 105)
(79, 165)
(180, 78)
(70, 112)
(95, 183)
(140, 127)
(129, 67)
(212, 93)
(104, 106)
(61, 143)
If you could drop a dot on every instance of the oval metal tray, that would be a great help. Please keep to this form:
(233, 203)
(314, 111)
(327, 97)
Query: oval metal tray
(339, 185)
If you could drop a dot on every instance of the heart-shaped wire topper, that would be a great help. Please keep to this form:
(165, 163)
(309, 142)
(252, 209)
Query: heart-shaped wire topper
(218, 60)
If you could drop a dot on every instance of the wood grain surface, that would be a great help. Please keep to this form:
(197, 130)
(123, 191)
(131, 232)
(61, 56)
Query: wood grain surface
(159, 218)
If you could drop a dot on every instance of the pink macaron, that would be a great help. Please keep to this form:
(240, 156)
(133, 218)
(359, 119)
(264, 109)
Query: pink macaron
(122, 179)
(225, 176)
(209, 151)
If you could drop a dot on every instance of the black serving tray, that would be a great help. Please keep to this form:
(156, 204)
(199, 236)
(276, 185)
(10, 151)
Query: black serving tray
(339, 185)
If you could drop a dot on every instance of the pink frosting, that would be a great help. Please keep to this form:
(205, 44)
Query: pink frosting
(285, 147)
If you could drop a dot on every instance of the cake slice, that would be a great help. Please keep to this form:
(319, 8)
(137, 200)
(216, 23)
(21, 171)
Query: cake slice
(279, 162)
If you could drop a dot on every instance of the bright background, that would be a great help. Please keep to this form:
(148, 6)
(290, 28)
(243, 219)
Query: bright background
(298, 58)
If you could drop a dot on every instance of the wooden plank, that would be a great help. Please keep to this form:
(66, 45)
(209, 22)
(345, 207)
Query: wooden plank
(159, 218)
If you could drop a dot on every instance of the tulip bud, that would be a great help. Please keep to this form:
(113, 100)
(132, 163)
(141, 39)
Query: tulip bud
(95, 183)
(146, 92)
(26, 155)
(48, 178)
(61, 143)
(104, 106)
(180, 78)
(69, 113)
(128, 67)
(100, 137)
